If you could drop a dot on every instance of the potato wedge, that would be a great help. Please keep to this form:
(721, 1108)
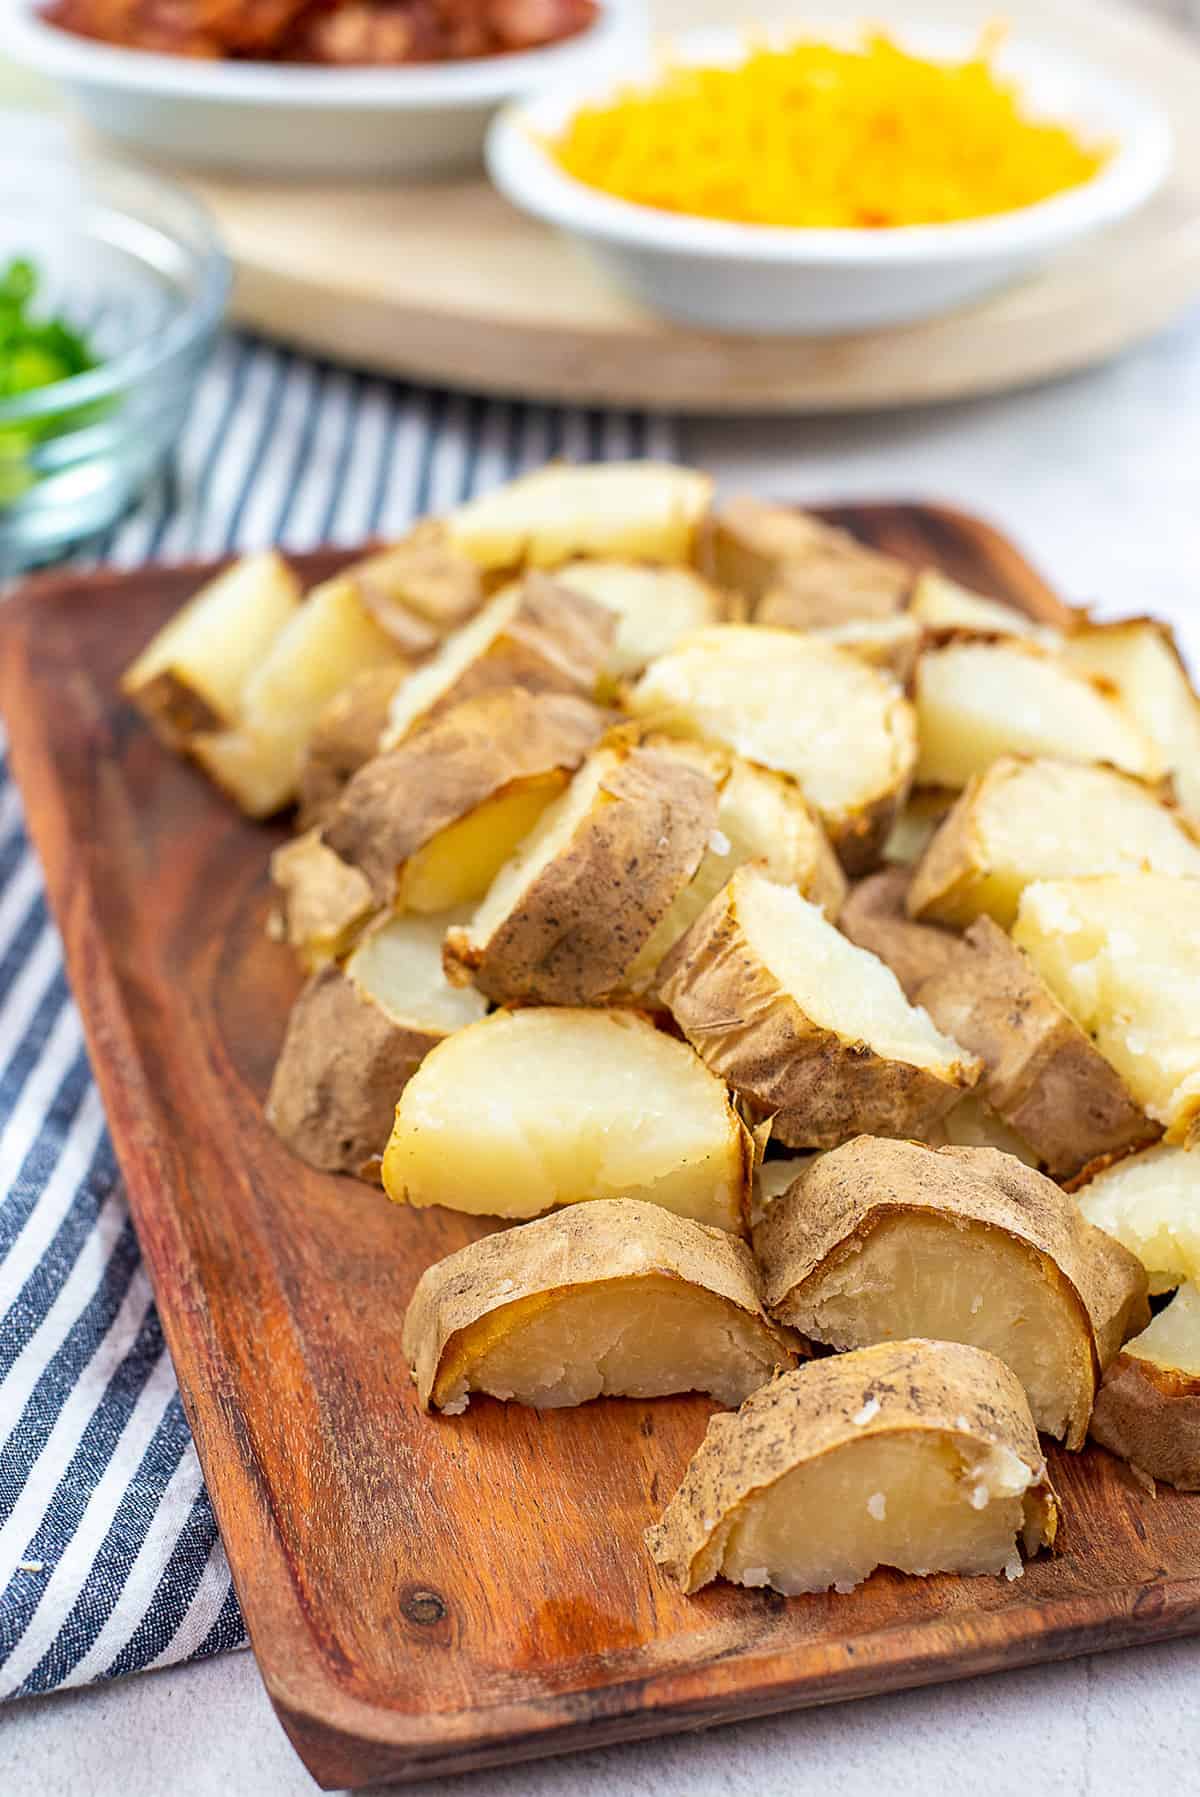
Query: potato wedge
(939, 603)
(1041, 1073)
(654, 607)
(919, 1455)
(1141, 659)
(344, 738)
(762, 816)
(617, 1298)
(1148, 1410)
(355, 1038)
(566, 918)
(806, 1027)
(879, 1241)
(191, 676)
(537, 1108)
(1044, 820)
(789, 701)
(875, 916)
(324, 904)
(1122, 954)
(980, 700)
(1151, 1203)
(614, 511)
(534, 634)
(431, 823)
(321, 648)
(794, 570)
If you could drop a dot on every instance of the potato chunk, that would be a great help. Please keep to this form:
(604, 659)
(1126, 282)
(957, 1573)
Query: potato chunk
(344, 738)
(431, 823)
(1151, 1203)
(628, 511)
(565, 920)
(979, 700)
(1041, 1072)
(324, 903)
(796, 571)
(612, 1299)
(891, 644)
(191, 676)
(878, 1241)
(324, 644)
(536, 1108)
(1123, 955)
(421, 578)
(803, 1025)
(1148, 1410)
(789, 701)
(1044, 820)
(919, 1455)
(761, 816)
(1141, 659)
(875, 915)
(939, 603)
(654, 608)
(355, 1038)
(536, 634)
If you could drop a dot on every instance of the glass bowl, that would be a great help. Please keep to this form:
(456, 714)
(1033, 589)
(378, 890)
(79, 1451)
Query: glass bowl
(134, 262)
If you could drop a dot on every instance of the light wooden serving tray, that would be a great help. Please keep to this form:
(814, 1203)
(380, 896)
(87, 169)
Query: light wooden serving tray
(447, 283)
(431, 1595)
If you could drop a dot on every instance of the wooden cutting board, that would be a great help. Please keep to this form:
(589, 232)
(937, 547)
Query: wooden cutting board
(447, 283)
(425, 1595)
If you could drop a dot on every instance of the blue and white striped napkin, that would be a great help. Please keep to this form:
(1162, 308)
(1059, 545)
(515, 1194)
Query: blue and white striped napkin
(110, 1561)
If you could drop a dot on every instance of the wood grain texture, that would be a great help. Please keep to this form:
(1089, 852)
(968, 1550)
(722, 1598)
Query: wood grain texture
(427, 1595)
(444, 281)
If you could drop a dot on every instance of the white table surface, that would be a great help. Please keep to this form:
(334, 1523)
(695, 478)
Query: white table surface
(1098, 478)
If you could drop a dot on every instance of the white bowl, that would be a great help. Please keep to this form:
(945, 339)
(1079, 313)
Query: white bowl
(291, 120)
(752, 278)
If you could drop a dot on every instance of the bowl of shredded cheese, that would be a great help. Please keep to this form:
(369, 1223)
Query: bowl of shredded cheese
(834, 183)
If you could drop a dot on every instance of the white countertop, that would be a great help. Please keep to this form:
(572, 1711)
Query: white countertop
(1096, 478)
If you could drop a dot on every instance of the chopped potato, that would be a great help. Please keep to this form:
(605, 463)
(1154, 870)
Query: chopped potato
(891, 644)
(324, 644)
(1139, 656)
(919, 1455)
(880, 1241)
(939, 603)
(192, 675)
(806, 1027)
(794, 570)
(324, 902)
(566, 918)
(540, 1107)
(875, 916)
(354, 1039)
(917, 820)
(422, 578)
(654, 607)
(613, 1298)
(431, 823)
(1151, 1203)
(979, 700)
(789, 701)
(1122, 954)
(1148, 1410)
(1044, 820)
(762, 816)
(534, 634)
(344, 738)
(615, 511)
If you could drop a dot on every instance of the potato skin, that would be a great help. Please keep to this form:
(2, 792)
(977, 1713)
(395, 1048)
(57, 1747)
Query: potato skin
(604, 1240)
(1043, 1074)
(875, 916)
(346, 737)
(342, 1066)
(445, 769)
(175, 711)
(842, 1196)
(325, 904)
(578, 928)
(820, 1088)
(808, 573)
(941, 1387)
(1150, 1415)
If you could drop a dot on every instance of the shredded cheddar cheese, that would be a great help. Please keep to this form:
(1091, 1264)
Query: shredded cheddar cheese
(815, 135)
